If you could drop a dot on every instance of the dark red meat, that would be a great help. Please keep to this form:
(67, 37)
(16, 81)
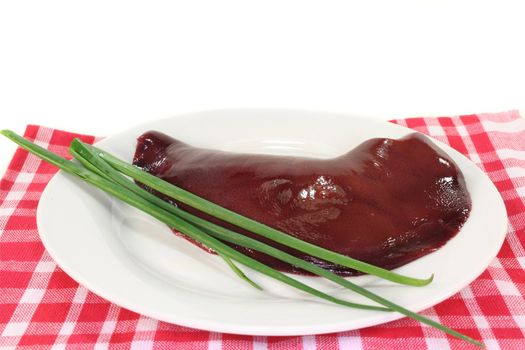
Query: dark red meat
(386, 202)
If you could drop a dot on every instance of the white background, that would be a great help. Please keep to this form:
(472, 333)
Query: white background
(100, 66)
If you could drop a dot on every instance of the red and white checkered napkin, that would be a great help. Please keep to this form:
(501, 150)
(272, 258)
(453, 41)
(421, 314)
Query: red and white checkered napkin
(41, 307)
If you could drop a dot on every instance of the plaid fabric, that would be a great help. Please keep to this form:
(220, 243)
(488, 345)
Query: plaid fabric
(41, 307)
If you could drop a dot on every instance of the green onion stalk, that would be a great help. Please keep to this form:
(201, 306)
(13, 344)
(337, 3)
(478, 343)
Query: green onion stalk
(110, 174)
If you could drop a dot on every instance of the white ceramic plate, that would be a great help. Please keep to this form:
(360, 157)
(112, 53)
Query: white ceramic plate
(130, 259)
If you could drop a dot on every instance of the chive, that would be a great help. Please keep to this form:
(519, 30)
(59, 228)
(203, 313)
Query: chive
(231, 217)
(171, 220)
(89, 158)
(92, 160)
(236, 238)
(194, 232)
(225, 234)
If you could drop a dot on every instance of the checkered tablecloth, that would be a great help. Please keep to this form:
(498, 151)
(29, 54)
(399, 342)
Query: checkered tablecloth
(41, 307)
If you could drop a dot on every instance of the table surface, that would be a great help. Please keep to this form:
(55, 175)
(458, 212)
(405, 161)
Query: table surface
(100, 66)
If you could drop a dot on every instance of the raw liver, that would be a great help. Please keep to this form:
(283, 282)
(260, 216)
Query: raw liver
(386, 202)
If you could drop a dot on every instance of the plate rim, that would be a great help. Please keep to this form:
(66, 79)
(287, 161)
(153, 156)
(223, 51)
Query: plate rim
(246, 330)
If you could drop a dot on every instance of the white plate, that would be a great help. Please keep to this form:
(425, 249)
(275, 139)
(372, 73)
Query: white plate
(134, 261)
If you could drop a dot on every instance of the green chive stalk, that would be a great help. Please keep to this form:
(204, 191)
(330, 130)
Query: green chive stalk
(208, 235)
(171, 220)
(227, 235)
(253, 226)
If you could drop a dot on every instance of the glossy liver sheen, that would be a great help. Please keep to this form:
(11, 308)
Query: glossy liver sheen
(386, 202)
